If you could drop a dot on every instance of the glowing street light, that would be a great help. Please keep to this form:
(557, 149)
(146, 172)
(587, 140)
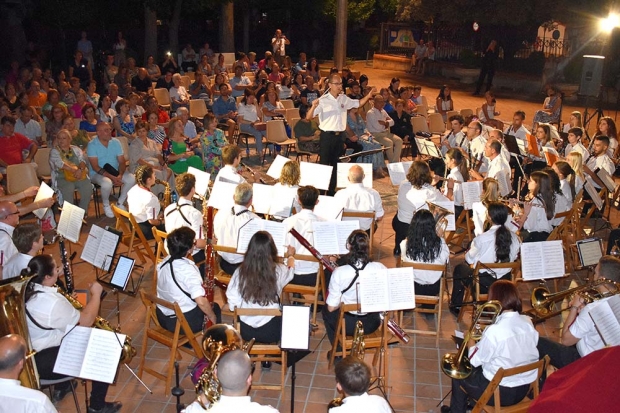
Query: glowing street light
(609, 23)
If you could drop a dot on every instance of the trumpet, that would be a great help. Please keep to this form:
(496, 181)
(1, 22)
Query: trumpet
(543, 302)
(457, 365)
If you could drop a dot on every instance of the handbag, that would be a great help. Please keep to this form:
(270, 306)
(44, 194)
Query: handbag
(260, 126)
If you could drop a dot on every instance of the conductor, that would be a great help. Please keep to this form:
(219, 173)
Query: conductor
(331, 108)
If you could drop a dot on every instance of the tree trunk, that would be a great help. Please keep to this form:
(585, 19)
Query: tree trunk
(246, 28)
(150, 33)
(173, 28)
(227, 27)
(340, 44)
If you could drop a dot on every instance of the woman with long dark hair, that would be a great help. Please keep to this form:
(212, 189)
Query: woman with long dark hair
(509, 342)
(607, 127)
(342, 287)
(49, 315)
(258, 283)
(539, 211)
(567, 179)
(496, 245)
(561, 203)
(424, 246)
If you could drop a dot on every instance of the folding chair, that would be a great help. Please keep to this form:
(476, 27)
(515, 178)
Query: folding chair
(437, 301)
(464, 222)
(160, 239)
(276, 134)
(132, 236)
(492, 389)
(264, 352)
(20, 177)
(314, 291)
(42, 159)
(197, 108)
(163, 98)
(174, 340)
(49, 384)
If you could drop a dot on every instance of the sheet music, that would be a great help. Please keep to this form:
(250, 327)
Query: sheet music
(522, 147)
(532, 145)
(222, 195)
(590, 251)
(427, 148)
(246, 232)
(606, 316)
(330, 237)
(402, 288)
(342, 174)
(261, 198)
(542, 260)
(551, 155)
(295, 327)
(449, 205)
(607, 179)
(44, 192)
(386, 290)
(282, 200)
(398, 171)
(72, 350)
(277, 230)
(471, 193)
(591, 190)
(100, 247)
(70, 223)
(315, 174)
(202, 180)
(328, 208)
(278, 163)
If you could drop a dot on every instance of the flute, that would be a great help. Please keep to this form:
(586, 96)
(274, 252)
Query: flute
(315, 253)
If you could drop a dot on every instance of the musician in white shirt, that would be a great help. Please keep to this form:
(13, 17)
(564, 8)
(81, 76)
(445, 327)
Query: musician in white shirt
(498, 244)
(480, 216)
(455, 138)
(574, 143)
(356, 197)
(561, 203)
(599, 159)
(179, 281)
(14, 397)
(509, 342)
(539, 211)
(517, 129)
(143, 204)
(353, 380)
(567, 179)
(453, 188)
(9, 218)
(477, 144)
(413, 195)
(231, 156)
(28, 240)
(378, 123)
(498, 167)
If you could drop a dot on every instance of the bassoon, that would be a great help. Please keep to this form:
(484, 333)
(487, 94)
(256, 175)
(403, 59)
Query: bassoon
(315, 253)
(209, 275)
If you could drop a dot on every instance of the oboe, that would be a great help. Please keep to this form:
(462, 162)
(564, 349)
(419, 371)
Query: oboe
(315, 253)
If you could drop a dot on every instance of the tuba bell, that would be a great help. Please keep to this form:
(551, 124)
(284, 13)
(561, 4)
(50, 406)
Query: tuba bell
(13, 321)
(441, 217)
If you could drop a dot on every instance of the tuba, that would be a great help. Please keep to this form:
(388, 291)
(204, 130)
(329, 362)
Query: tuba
(457, 365)
(441, 217)
(167, 193)
(13, 321)
(357, 351)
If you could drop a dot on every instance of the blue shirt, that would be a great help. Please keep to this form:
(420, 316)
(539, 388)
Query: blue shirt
(222, 107)
(104, 155)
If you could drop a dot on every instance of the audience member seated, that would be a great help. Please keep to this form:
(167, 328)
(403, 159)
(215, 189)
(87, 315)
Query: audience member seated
(177, 149)
(28, 127)
(135, 110)
(444, 101)
(273, 108)
(124, 123)
(356, 128)
(145, 151)
(169, 64)
(70, 171)
(78, 137)
(151, 105)
(308, 135)
(239, 83)
(105, 112)
(552, 106)
(225, 109)
(36, 97)
(199, 89)
(179, 97)
(155, 132)
(54, 124)
(80, 100)
(248, 119)
(89, 122)
(107, 167)
(53, 98)
(204, 67)
(153, 70)
(141, 83)
(379, 123)
(402, 125)
(13, 144)
(220, 66)
(165, 81)
(219, 80)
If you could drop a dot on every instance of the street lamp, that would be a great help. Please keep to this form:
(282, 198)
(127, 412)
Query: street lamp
(607, 24)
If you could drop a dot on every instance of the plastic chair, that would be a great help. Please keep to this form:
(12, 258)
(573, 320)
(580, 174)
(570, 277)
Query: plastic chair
(163, 98)
(20, 177)
(436, 124)
(276, 134)
(185, 81)
(197, 108)
(288, 104)
(466, 112)
(42, 159)
(419, 124)
(291, 113)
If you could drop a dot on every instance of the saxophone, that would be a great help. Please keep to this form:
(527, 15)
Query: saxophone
(357, 351)
(167, 193)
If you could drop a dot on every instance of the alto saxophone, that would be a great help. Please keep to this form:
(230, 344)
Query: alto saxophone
(167, 193)
(357, 350)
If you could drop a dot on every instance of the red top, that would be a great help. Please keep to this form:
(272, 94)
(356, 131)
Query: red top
(12, 147)
(162, 116)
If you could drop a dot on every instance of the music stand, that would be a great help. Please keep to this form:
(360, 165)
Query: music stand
(295, 336)
(117, 282)
(590, 251)
(511, 144)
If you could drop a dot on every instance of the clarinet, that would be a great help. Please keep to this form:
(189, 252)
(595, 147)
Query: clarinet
(250, 170)
(66, 268)
(315, 253)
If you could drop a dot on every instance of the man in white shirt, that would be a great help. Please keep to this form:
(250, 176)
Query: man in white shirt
(580, 336)
(227, 223)
(28, 240)
(454, 137)
(279, 43)
(189, 128)
(234, 373)
(477, 144)
(13, 396)
(378, 123)
(9, 218)
(599, 159)
(517, 129)
(28, 127)
(353, 379)
(499, 169)
(305, 271)
(239, 83)
(231, 156)
(183, 214)
(356, 197)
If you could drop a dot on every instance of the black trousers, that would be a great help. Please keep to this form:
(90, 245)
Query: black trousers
(195, 318)
(559, 354)
(487, 72)
(227, 267)
(475, 385)
(371, 322)
(331, 148)
(536, 236)
(46, 359)
(514, 164)
(267, 333)
(147, 230)
(308, 280)
(400, 230)
(463, 278)
(614, 236)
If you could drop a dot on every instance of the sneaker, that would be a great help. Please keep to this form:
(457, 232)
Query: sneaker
(60, 394)
(107, 210)
(265, 365)
(121, 206)
(109, 407)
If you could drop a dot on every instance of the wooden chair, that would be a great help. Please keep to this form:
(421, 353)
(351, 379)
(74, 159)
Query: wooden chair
(466, 112)
(197, 108)
(437, 301)
(222, 277)
(492, 389)
(20, 177)
(163, 98)
(313, 291)
(362, 215)
(264, 352)
(132, 236)
(276, 134)
(514, 267)
(174, 340)
(464, 222)
(42, 159)
(160, 251)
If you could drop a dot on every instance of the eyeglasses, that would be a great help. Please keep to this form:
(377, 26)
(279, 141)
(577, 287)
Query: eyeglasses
(334, 83)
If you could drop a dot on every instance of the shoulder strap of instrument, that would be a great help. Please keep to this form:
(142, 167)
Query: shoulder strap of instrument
(178, 208)
(175, 279)
(35, 322)
(357, 274)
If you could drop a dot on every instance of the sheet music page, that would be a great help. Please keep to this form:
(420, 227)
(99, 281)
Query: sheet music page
(374, 294)
(343, 230)
(542, 260)
(431, 149)
(107, 248)
(72, 351)
(554, 258)
(342, 174)
(589, 251)
(277, 230)
(246, 232)
(315, 174)
(522, 147)
(70, 223)
(328, 208)
(278, 163)
(102, 355)
(550, 155)
(532, 145)
(449, 205)
(591, 190)
(295, 327)
(401, 288)
(606, 316)
(202, 180)
(282, 200)
(325, 237)
(222, 195)
(607, 179)
(471, 193)
(91, 248)
(261, 198)
(398, 171)
(421, 142)
(44, 192)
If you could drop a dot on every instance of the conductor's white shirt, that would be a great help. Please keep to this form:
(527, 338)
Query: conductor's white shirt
(332, 112)
(187, 276)
(143, 204)
(483, 250)
(373, 117)
(411, 199)
(356, 197)
(18, 399)
(302, 222)
(226, 227)
(173, 218)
